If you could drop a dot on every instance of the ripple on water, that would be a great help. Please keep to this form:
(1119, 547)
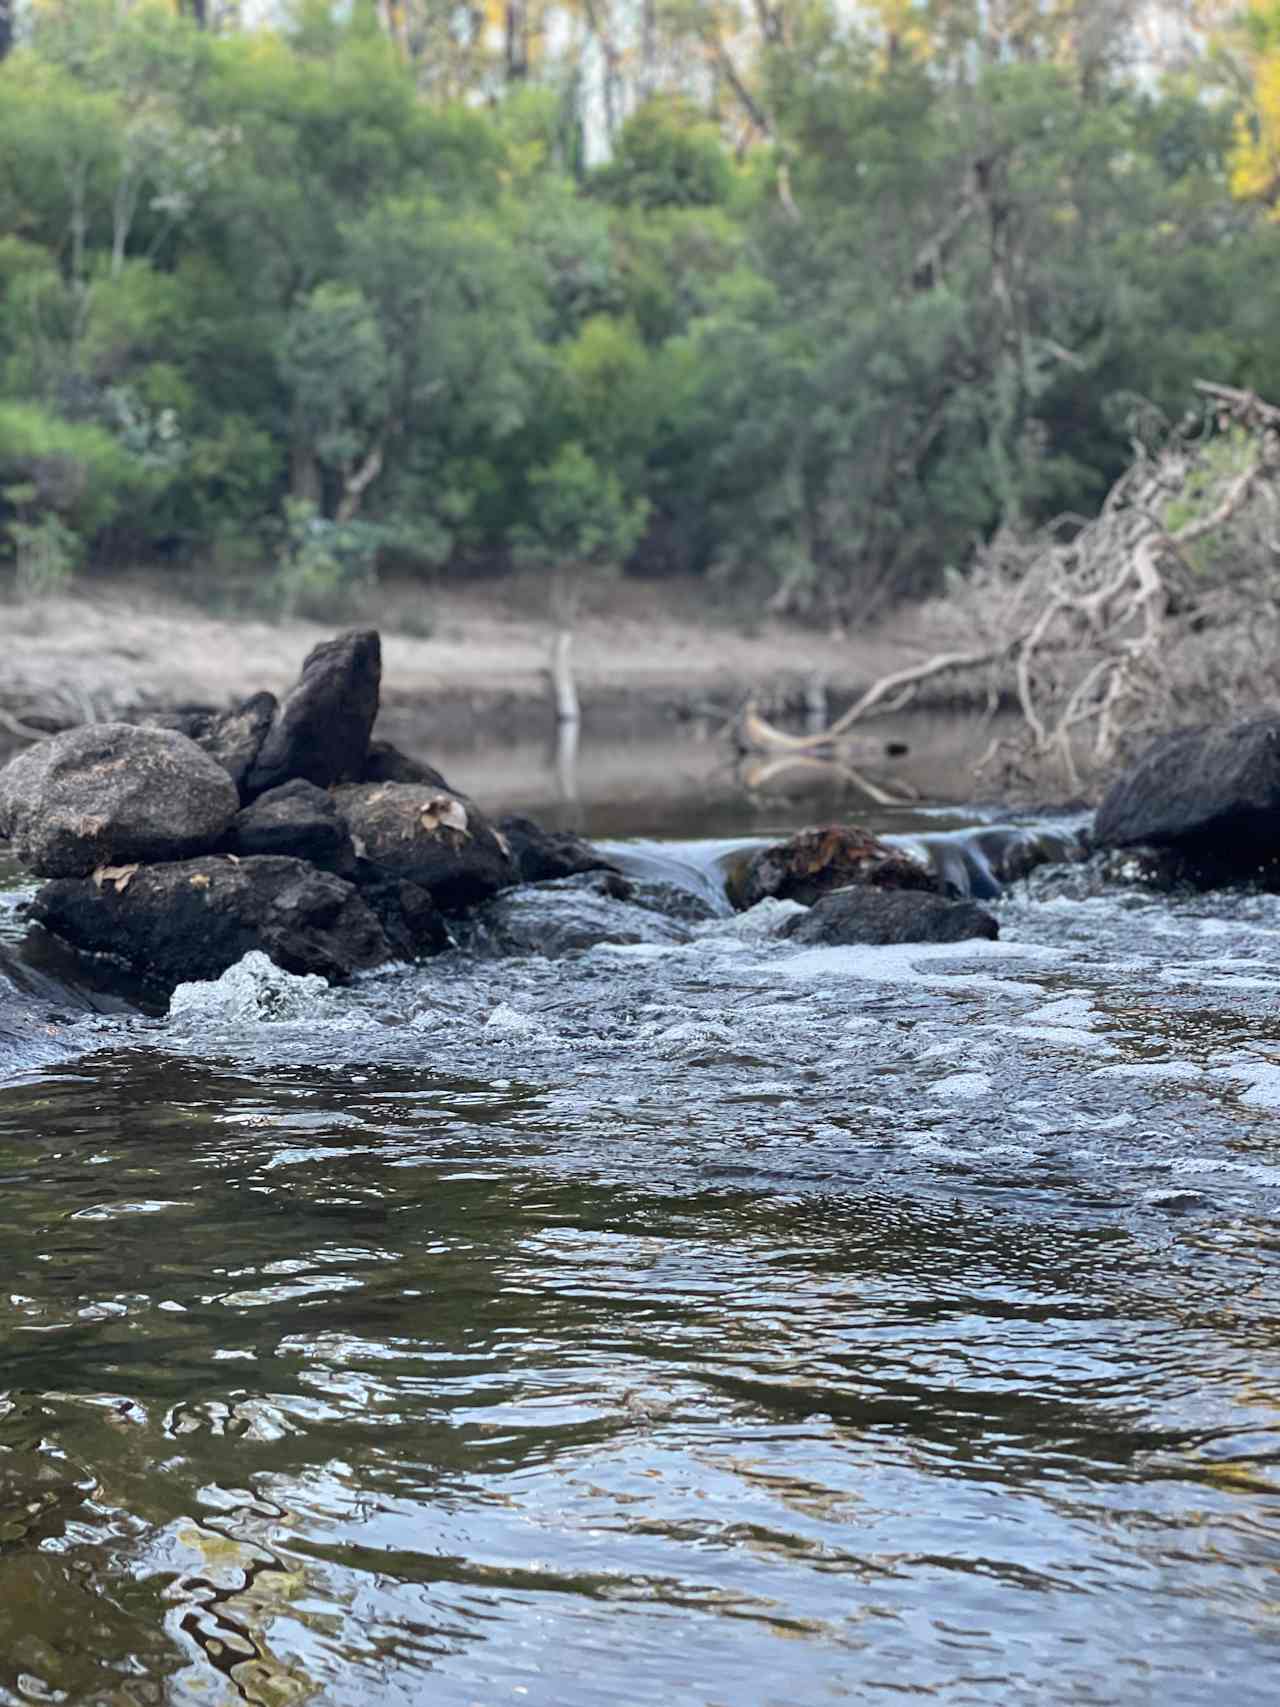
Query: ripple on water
(731, 1322)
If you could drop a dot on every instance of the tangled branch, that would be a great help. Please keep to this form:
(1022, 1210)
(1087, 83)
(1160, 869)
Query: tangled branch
(1160, 609)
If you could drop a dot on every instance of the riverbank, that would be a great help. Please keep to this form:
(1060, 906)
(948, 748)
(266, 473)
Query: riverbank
(646, 656)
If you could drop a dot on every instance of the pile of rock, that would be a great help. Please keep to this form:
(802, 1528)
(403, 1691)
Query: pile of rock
(181, 845)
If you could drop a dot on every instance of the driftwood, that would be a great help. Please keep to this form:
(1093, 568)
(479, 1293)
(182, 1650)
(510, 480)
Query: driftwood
(1102, 631)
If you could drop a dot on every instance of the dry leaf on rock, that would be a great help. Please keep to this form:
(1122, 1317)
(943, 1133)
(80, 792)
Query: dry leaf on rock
(442, 811)
(118, 876)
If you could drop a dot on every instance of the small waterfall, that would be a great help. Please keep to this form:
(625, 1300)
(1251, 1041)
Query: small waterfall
(978, 863)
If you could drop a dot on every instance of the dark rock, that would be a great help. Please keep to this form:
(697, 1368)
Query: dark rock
(234, 738)
(193, 918)
(1211, 795)
(298, 819)
(671, 901)
(816, 861)
(429, 836)
(321, 731)
(410, 919)
(112, 793)
(542, 855)
(880, 916)
(386, 763)
(567, 916)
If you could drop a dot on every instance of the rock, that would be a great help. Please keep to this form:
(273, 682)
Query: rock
(234, 738)
(567, 915)
(428, 836)
(321, 731)
(410, 919)
(542, 855)
(879, 916)
(671, 900)
(193, 918)
(297, 819)
(386, 763)
(816, 861)
(1211, 795)
(111, 794)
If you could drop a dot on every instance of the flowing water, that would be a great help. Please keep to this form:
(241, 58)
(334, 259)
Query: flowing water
(701, 1321)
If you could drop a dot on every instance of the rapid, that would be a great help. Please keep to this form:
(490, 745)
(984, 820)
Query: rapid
(697, 1319)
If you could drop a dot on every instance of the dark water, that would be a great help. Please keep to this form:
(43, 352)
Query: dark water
(712, 1323)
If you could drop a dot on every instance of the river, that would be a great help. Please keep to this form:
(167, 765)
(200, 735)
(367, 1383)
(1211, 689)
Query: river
(713, 1323)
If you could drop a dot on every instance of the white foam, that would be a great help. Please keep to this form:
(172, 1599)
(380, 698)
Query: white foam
(964, 1085)
(1065, 1036)
(908, 963)
(1177, 1070)
(510, 1022)
(254, 989)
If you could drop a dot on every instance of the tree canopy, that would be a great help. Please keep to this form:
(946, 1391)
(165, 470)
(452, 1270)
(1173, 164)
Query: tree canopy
(803, 300)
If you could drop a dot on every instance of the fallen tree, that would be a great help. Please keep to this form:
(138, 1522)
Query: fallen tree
(1163, 609)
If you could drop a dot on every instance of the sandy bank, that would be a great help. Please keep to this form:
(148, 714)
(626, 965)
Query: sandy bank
(652, 654)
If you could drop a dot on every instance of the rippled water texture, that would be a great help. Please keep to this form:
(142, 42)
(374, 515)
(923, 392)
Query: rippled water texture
(717, 1323)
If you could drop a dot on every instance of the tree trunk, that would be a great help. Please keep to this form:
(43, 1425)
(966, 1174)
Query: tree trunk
(6, 26)
(304, 475)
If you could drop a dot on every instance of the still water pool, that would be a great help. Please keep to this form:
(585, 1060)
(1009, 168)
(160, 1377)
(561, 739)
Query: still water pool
(713, 1324)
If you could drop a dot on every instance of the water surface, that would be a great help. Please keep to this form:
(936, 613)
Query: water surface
(719, 1322)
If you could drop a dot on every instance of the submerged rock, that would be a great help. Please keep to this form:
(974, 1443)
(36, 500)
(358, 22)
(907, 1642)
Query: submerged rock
(35, 1011)
(567, 916)
(817, 861)
(110, 794)
(298, 819)
(321, 731)
(541, 855)
(878, 917)
(1210, 796)
(193, 918)
(428, 836)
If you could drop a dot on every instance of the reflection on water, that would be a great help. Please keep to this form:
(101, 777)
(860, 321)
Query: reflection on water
(690, 782)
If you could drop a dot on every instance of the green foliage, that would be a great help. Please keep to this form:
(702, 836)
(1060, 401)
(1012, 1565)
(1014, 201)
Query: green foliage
(665, 157)
(579, 514)
(279, 285)
(75, 470)
(324, 567)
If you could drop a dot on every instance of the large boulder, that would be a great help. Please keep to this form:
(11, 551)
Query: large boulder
(880, 916)
(191, 919)
(814, 862)
(541, 855)
(297, 819)
(111, 794)
(428, 836)
(321, 731)
(234, 738)
(1211, 795)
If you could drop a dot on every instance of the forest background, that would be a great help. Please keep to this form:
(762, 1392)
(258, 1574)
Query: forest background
(798, 301)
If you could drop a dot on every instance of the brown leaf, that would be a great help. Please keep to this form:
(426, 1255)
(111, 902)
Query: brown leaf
(442, 811)
(118, 876)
